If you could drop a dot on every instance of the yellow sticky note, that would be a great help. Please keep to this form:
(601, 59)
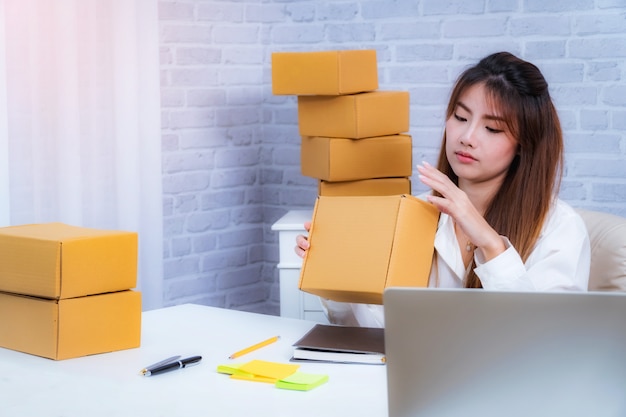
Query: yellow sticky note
(301, 381)
(270, 370)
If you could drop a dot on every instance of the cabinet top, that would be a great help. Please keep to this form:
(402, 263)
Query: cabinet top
(293, 220)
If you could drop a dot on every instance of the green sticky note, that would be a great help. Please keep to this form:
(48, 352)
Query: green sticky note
(229, 369)
(301, 381)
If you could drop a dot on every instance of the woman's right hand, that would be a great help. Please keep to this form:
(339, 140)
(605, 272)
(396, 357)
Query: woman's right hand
(302, 242)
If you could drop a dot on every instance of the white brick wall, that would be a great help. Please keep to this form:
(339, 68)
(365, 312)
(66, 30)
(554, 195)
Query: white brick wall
(231, 148)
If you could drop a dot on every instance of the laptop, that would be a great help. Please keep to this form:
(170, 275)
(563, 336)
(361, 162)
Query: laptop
(466, 353)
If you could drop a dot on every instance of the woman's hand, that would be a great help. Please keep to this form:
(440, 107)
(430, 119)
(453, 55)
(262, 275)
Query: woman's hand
(456, 203)
(302, 242)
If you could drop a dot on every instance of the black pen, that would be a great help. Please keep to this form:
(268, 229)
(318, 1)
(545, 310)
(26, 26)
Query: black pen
(182, 363)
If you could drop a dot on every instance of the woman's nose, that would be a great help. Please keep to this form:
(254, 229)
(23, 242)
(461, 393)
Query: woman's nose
(467, 137)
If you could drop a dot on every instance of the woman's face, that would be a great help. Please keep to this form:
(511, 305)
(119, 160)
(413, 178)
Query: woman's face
(479, 146)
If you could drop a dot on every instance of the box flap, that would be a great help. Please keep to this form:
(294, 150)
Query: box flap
(413, 245)
(371, 187)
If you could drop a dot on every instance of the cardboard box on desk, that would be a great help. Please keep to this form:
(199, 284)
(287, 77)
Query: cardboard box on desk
(354, 116)
(71, 327)
(362, 245)
(340, 159)
(55, 260)
(372, 187)
(324, 72)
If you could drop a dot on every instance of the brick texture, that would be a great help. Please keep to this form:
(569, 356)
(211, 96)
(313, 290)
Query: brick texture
(231, 148)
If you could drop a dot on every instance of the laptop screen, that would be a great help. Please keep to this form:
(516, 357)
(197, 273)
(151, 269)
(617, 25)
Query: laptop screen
(462, 352)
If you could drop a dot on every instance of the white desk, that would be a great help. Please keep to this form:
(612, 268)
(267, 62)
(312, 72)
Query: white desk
(110, 385)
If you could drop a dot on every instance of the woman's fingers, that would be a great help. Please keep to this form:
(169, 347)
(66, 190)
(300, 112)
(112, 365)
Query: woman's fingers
(442, 204)
(299, 251)
(452, 198)
(302, 242)
(452, 201)
(436, 180)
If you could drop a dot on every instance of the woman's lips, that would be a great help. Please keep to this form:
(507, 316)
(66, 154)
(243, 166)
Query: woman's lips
(464, 157)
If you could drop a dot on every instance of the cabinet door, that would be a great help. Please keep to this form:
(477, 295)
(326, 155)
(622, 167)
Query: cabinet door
(291, 304)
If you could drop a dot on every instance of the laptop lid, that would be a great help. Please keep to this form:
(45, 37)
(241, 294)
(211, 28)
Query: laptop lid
(461, 352)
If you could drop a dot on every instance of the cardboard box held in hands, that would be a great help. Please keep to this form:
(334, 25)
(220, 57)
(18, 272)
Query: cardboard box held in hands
(362, 245)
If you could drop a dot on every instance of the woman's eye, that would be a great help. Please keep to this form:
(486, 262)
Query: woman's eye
(459, 118)
(493, 130)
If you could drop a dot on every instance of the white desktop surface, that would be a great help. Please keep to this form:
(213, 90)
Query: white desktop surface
(110, 384)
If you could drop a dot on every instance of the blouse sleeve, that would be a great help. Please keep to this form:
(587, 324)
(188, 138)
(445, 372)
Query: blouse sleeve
(338, 313)
(560, 260)
(354, 314)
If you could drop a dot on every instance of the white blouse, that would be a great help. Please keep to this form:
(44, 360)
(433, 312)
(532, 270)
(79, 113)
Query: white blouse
(560, 261)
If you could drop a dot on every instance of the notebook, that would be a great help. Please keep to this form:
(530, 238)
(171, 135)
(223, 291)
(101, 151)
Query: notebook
(341, 344)
(460, 352)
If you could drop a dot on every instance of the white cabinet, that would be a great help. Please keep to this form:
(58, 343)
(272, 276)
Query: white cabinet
(293, 302)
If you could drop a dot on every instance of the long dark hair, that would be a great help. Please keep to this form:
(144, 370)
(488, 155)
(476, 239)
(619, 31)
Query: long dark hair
(520, 92)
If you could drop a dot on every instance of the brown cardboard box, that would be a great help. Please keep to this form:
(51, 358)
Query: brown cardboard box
(376, 186)
(362, 245)
(55, 260)
(338, 159)
(324, 72)
(354, 116)
(72, 327)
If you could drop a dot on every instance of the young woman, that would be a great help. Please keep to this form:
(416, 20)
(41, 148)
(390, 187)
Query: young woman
(502, 226)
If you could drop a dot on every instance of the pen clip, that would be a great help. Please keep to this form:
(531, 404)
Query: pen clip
(161, 363)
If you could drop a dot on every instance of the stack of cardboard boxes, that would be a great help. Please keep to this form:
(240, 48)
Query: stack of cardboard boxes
(367, 232)
(66, 291)
(352, 134)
